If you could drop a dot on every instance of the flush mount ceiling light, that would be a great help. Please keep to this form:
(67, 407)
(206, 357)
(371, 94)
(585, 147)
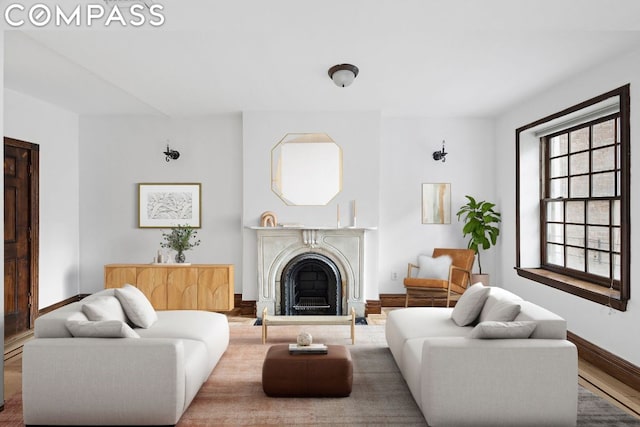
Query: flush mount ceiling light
(343, 74)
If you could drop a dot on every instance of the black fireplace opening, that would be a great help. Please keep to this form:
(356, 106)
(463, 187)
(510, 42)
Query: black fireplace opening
(311, 285)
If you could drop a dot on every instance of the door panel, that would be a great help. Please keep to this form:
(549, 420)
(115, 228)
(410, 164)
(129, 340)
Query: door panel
(17, 245)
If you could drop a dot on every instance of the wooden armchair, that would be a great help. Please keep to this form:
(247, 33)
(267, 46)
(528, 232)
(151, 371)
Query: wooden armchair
(450, 288)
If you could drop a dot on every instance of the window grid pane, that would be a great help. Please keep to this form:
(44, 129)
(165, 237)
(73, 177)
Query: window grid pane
(581, 232)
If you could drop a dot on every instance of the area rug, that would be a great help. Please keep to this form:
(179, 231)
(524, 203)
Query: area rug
(233, 394)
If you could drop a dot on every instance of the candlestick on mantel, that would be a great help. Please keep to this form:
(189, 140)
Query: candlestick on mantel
(338, 216)
(355, 223)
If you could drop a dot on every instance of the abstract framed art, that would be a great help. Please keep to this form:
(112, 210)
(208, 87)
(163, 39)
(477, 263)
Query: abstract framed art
(436, 203)
(168, 205)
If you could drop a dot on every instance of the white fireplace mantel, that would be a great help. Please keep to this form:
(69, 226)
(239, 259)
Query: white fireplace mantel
(279, 245)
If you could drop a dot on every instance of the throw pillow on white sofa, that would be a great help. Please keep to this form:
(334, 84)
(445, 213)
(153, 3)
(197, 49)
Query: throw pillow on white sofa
(101, 329)
(136, 306)
(501, 311)
(503, 330)
(470, 304)
(104, 308)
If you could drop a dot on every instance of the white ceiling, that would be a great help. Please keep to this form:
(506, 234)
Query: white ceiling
(423, 57)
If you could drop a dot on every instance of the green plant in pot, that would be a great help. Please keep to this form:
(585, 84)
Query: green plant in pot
(481, 225)
(181, 238)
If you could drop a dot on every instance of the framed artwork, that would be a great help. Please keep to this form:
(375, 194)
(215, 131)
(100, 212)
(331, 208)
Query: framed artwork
(436, 203)
(169, 205)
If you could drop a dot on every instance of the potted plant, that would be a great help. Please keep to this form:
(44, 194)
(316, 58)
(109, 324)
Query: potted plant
(481, 224)
(181, 238)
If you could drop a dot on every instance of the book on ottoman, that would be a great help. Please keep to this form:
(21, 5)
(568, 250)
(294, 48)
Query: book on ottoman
(306, 349)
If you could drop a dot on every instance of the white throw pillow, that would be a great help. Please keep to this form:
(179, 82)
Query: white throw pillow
(101, 329)
(470, 304)
(501, 311)
(503, 330)
(104, 308)
(136, 306)
(433, 268)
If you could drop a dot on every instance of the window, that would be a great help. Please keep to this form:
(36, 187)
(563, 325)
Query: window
(583, 203)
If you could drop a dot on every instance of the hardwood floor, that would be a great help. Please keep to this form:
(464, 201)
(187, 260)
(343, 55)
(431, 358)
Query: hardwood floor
(590, 377)
(609, 388)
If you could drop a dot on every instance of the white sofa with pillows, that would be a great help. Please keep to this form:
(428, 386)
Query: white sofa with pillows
(111, 359)
(492, 360)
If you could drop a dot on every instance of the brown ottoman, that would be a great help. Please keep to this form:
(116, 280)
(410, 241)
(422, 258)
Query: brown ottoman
(306, 375)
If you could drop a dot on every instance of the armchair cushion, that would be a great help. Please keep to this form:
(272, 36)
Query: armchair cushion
(470, 304)
(434, 268)
(414, 282)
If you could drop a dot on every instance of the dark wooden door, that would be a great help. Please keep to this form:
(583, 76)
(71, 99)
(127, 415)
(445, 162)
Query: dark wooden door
(19, 213)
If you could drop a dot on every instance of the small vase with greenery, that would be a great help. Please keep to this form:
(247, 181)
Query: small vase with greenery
(481, 223)
(181, 238)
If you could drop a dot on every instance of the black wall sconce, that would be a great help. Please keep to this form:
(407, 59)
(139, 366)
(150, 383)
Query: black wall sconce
(440, 155)
(171, 154)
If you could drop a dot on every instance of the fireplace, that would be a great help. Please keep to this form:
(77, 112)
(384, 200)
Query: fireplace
(311, 284)
(310, 270)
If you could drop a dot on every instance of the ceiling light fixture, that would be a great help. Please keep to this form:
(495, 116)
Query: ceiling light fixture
(343, 74)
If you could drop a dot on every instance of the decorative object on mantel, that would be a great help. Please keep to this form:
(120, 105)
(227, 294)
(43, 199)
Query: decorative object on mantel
(163, 205)
(338, 217)
(436, 203)
(355, 222)
(343, 74)
(268, 219)
(171, 154)
(180, 239)
(304, 339)
(479, 218)
(440, 155)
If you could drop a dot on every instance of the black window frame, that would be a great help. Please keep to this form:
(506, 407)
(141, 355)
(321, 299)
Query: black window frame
(613, 293)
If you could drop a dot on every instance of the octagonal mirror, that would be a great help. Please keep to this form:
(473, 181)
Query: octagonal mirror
(306, 169)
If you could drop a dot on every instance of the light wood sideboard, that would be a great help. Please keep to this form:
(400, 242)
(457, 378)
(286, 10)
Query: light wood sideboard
(177, 287)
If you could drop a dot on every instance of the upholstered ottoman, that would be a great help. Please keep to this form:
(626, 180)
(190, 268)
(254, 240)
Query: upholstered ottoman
(306, 375)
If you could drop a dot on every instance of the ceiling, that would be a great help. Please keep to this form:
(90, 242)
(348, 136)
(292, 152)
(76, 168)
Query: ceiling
(417, 58)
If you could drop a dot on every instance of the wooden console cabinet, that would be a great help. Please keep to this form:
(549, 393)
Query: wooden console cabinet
(177, 287)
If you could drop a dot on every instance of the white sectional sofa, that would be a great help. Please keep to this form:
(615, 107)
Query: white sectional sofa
(460, 380)
(149, 377)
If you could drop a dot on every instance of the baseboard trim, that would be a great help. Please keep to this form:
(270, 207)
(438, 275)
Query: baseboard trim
(245, 308)
(609, 363)
(397, 300)
(372, 307)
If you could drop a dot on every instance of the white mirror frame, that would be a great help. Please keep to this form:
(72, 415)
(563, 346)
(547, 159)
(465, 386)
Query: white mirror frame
(306, 169)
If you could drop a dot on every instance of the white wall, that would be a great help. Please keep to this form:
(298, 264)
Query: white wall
(55, 130)
(117, 153)
(612, 330)
(358, 134)
(406, 163)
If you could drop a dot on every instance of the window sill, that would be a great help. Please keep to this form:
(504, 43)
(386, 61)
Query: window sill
(580, 288)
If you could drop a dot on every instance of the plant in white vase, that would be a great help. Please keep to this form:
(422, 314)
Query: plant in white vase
(181, 238)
